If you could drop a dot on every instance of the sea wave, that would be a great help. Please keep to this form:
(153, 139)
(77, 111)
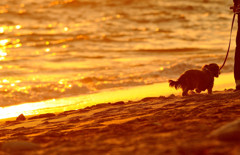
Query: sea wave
(173, 50)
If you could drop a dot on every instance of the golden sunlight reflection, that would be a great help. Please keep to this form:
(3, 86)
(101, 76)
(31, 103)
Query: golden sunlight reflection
(18, 26)
(3, 53)
(5, 81)
(8, 43)
(47, 50)
(3, 42)
(1, 30)
(6, 28)
(66, 28)
(78, 102)
(64, 46)
(73, 103)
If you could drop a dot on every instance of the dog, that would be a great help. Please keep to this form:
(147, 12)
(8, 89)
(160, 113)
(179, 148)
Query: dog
(198, 80)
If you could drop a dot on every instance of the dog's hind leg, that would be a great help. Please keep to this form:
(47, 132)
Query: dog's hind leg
(185, 92)
(198, 90)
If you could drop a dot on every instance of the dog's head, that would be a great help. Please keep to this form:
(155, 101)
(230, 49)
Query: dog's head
(214, 68)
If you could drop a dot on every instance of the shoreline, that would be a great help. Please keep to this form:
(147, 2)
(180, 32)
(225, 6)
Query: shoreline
(123, 95)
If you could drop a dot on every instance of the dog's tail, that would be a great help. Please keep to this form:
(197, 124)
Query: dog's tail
(175, 84)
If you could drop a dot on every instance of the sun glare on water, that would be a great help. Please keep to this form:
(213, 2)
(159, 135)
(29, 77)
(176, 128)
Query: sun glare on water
(82, 101)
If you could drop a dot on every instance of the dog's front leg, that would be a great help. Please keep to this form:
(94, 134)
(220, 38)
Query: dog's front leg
(209, 90)
(210, 87)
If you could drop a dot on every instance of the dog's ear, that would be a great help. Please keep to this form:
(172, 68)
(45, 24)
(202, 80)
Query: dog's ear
(214, 68)
(205, 67)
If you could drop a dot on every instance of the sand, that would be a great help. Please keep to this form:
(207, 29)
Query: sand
(156, 125)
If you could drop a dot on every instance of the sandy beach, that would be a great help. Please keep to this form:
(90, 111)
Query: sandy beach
(154, 125)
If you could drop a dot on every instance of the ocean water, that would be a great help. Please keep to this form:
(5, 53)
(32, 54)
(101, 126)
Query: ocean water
(56, 49)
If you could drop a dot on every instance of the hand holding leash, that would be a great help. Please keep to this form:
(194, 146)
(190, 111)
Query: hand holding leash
(236, 9)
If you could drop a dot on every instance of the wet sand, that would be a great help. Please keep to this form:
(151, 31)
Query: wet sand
(157, 125)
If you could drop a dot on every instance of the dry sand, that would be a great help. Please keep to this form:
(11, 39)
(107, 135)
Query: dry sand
(163, 125)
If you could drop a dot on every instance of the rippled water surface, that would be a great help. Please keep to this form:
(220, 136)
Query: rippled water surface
(57, 49)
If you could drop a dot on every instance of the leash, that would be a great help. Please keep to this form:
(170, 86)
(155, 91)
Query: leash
(229, 45)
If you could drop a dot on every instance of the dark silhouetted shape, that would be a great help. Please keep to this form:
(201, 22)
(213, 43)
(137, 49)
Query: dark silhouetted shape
(198, 80)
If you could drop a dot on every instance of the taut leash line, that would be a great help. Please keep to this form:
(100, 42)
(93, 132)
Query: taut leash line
(229, 45)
